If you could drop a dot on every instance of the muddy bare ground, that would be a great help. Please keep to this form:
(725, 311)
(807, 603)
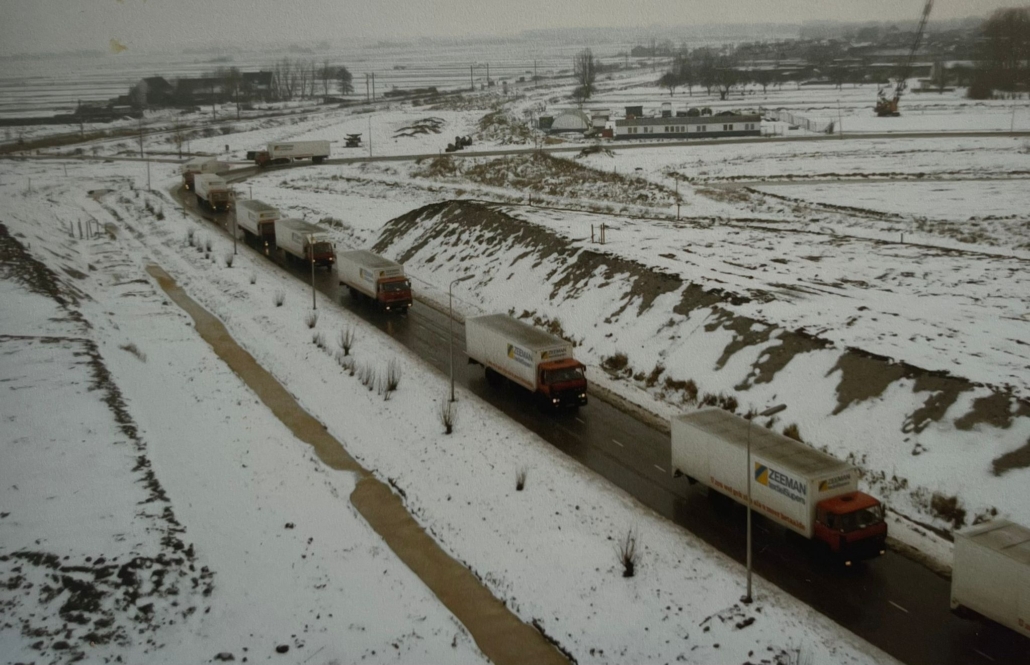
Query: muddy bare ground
(471, 231)
(501, 635)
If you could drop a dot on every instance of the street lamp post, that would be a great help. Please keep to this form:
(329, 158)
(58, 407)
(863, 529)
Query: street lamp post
(768, 412)
(450, 324)
(311, 253)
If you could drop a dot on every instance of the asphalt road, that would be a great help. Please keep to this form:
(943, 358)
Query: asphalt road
(360, 154)
(892, 602)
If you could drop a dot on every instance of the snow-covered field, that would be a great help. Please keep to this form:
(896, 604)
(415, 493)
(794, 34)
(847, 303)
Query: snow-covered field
(906, 357)
(248, 511)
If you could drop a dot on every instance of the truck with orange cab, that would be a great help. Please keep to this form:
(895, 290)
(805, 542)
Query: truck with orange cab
(803, 489)
(534, 359)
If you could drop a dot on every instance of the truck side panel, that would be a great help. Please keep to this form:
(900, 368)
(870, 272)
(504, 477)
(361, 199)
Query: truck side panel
(356, 276)
(775, 492)
(991, 584)
(492, 349)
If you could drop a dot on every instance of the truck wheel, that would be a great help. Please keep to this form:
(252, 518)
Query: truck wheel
(353, 292)
(318, 160)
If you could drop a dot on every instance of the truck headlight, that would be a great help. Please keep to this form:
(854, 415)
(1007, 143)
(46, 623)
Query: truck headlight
(555, 400)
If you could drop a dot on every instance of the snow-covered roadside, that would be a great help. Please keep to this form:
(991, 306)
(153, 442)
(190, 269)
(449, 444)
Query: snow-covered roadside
(291, 561)
(462, 487)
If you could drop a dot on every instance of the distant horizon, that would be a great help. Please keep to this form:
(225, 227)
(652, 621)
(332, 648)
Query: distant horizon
(638, 33)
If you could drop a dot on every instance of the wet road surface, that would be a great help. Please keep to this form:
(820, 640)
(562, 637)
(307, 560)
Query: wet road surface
(893, 602)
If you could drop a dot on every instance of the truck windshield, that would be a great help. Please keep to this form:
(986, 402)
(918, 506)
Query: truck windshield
(859, 519)
(394, 287)
(323, 248)
(562, 375)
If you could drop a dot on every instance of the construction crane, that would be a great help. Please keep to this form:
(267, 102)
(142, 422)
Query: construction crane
(888, 106)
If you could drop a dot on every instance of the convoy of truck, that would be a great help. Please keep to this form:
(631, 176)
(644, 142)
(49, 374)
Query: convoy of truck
(212, 192)
(377, 278)
(538, 361)
(257, 219)
(305, 241)
(200, 165)
(802, 489)
(991, 574)
(794, 485)
(284, 152)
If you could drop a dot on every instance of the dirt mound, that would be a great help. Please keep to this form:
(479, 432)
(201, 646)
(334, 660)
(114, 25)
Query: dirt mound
(542, 173)
(472, 233)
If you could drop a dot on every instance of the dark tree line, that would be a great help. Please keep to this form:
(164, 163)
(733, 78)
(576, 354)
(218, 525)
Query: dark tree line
(306, 78)
(1004, 53)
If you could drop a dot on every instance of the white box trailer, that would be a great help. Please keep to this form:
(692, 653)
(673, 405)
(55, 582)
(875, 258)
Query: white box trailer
(192, 167)
(305, 241)
(375, 277)
(212, 191)
(282, 152)
(257, 219)
(532, 358)
(991, 573)
(795, 485)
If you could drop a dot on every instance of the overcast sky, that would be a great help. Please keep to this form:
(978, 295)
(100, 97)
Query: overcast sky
(58, 25)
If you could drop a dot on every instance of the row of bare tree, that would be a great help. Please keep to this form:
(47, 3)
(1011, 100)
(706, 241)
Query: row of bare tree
(306, 78)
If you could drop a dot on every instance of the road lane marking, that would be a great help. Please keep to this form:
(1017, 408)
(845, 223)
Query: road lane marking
(659, 468)
(581, 422)
(984, 655)
(898, 606)
(617, 443)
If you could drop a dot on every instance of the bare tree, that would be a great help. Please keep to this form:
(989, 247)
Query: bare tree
(669, 80)
(727, 78)
(707, 74)
(584, 69)
(178, 135)
(1006, 46)
(327, 73)
(763, 77)
(301, 68)
(345, 80)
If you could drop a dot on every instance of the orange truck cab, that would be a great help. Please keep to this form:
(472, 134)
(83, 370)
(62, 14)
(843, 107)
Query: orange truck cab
(394, 293)
(852, 526)
(562, 383)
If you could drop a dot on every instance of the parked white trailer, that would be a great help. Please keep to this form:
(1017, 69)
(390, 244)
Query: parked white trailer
(376, 277)
(200, 165)
(991, 573)
(212, 192)
(283, 152)
(795, 485)
(532, 358)
(257, 219)
(305, 241)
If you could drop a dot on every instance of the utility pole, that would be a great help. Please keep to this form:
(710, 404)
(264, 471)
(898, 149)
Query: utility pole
(472, 81)
(311, 252)
(373, 86)
(534, 74)
(148, 174)
(369, 135)
(366, 88)
(488, 74)
(141, 136)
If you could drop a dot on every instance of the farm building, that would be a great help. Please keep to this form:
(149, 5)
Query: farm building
(571, 121)
(679, 127)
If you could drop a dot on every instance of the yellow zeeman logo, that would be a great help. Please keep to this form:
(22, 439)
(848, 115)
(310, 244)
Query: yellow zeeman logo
(762, 474)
